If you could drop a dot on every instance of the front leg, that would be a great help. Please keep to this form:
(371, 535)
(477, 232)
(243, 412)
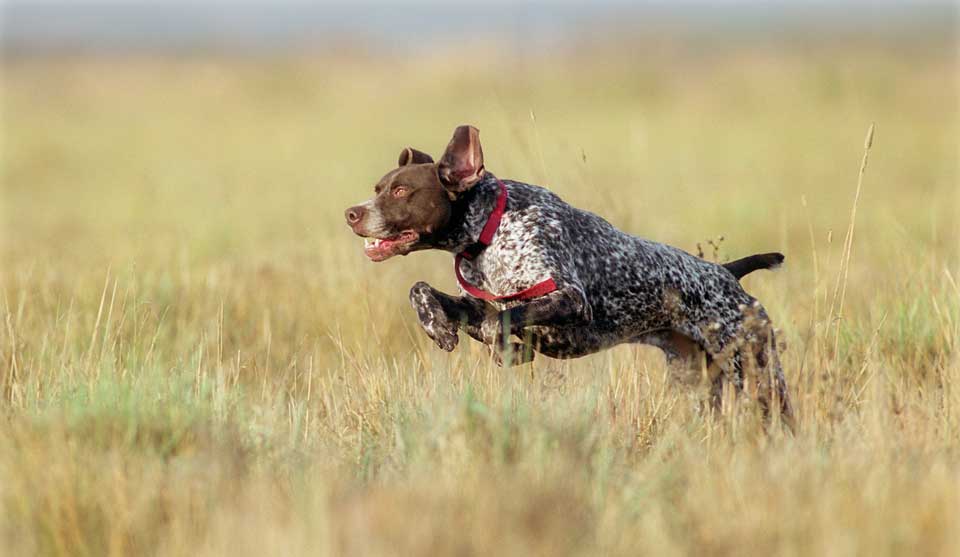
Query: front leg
(441, 315)
(565, 305)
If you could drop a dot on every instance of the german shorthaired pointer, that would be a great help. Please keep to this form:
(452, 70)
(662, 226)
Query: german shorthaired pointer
(564, 281)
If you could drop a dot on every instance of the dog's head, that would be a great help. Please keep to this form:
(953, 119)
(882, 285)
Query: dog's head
(413, 204)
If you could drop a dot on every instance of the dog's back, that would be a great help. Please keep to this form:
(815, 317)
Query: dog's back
(633, 285)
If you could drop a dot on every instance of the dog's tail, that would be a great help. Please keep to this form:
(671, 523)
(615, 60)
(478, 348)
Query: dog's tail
(743, 267)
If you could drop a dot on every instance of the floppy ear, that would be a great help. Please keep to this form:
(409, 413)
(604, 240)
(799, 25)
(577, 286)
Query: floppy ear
(412, 156)
(461, 165)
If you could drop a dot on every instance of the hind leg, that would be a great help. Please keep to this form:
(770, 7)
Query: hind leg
(772, 389)
(742, 352)
(754, 365)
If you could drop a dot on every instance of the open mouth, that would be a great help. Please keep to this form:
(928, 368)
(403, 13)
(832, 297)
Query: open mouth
(380, 249)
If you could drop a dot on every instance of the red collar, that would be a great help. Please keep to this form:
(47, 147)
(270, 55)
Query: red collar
(486, 237)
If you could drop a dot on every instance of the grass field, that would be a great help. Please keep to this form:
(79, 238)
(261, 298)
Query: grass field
(197, 359)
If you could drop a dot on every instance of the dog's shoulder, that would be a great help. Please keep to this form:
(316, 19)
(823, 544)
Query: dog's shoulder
(543, 209)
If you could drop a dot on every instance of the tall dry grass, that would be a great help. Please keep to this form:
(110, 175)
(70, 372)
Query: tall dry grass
(197, 359)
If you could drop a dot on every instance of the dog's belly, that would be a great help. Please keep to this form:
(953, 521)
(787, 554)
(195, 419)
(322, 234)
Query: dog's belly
(611, 325)
(573, 340)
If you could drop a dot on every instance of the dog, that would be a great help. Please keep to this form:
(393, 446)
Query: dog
(563, 281)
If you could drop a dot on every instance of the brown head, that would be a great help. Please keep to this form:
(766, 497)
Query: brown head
(414, 203)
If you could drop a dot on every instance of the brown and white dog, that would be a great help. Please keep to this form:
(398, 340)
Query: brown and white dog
(563, 281)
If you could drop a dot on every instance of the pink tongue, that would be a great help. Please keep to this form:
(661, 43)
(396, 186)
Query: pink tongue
(402, 237)
(383, 247)
(386, 245)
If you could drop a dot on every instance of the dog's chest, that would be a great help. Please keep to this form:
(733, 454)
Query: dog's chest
(512, 262)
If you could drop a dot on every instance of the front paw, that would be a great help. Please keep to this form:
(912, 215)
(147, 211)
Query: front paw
(433, 319)
(444, 338)
(441, 331)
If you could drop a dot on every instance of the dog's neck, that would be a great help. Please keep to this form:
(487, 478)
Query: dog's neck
(470, 213)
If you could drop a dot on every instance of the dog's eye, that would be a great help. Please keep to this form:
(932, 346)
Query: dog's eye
(400, 191)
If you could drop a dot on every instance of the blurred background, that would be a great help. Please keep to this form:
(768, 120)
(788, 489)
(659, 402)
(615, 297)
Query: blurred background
(230, 135)
(211, 146)
(383, 26)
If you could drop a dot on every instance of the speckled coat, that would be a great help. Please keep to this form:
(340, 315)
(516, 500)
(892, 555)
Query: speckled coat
(612, 288)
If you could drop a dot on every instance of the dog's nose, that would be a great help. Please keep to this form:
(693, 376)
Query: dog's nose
(354, 214)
